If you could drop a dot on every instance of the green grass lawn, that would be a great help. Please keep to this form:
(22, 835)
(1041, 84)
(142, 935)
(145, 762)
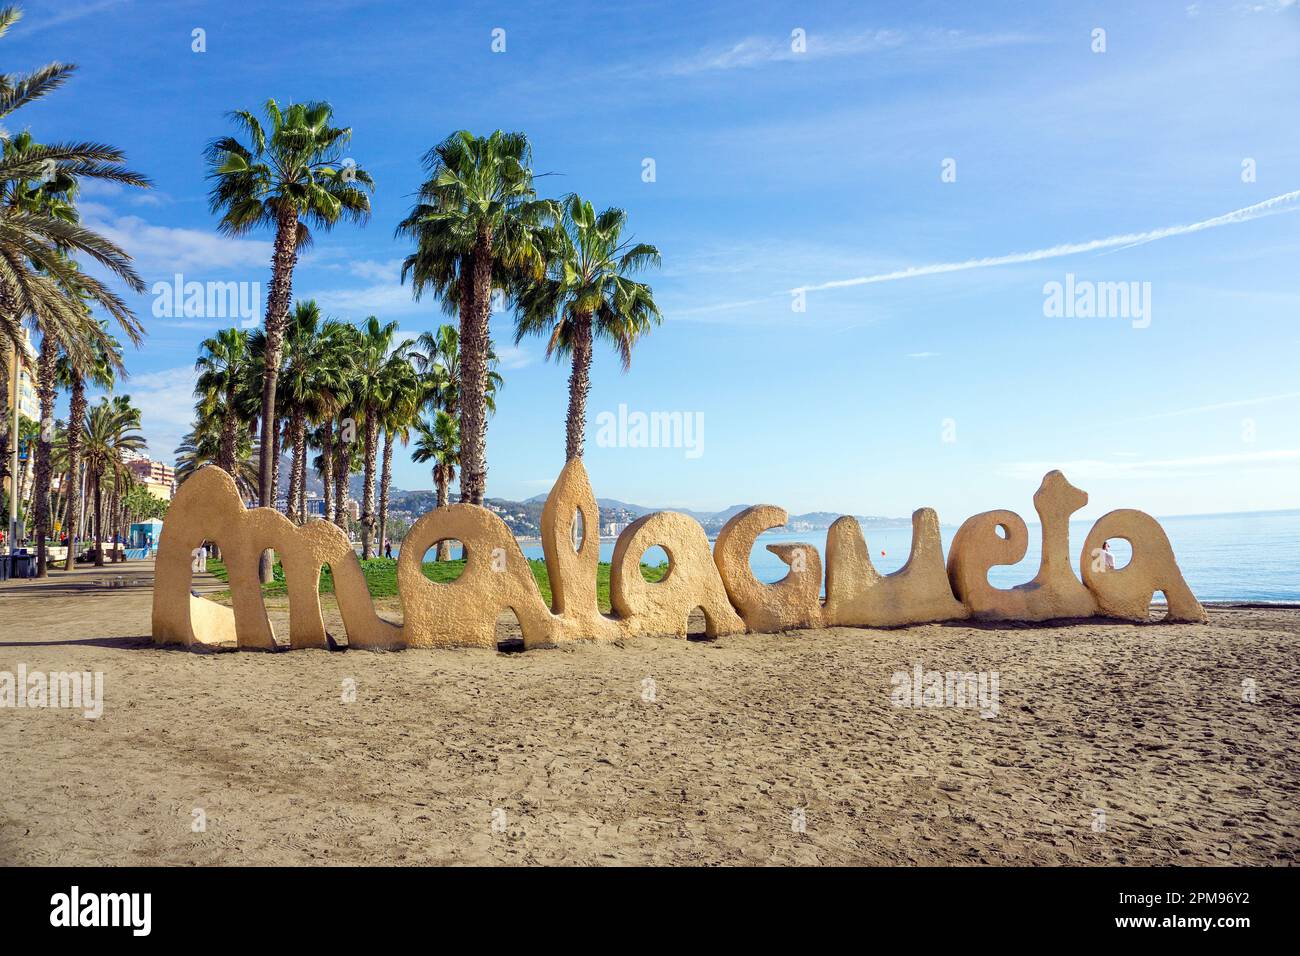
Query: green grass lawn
(381, 577)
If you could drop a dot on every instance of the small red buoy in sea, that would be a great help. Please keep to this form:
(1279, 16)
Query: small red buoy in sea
(882, 552)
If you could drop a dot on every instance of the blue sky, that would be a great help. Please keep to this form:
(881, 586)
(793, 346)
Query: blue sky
(778, 170)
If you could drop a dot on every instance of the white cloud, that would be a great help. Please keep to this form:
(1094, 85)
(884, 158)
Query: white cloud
(383, 298)
(1215, 407)
(118, 192)
(168, 249)
(389, 271)
(755, 51)
(35, 24)
(1266, 6)
(922, 355)
(1278, 204)
(512, 356)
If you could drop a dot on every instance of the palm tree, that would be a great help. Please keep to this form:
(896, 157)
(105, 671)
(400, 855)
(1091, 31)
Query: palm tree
(587, 294)
(339, 417)
(336, 342)
(439, 442)
(39, 276)
(311, 376)
(112, 428)
(202, 446)
(223, 368)
(41, 188)
(287, 180)
(369, 393)
(102, 373)
(436, 356)
(348, 459)
(403, 397)
(322, 438)
(477, 216)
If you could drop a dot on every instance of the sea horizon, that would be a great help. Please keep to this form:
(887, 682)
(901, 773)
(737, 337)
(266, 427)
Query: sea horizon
(1259, 563)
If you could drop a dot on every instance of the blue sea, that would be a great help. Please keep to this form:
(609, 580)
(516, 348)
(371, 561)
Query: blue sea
(1253, 556)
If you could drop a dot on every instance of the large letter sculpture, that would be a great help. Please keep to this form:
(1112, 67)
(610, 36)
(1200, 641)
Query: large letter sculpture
(1054, 592)
(857, 595)
(497, 577)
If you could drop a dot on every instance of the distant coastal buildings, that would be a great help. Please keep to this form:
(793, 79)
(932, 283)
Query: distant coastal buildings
(156, 477)
(24, 386)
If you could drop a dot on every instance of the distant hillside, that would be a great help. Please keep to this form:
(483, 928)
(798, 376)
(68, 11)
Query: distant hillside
(714, 520)
(524, 518)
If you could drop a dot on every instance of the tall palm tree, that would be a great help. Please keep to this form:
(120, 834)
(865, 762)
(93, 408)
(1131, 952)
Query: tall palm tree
(403, 397)
(41, 189)
(112, 429)
(223, 369)
(369, 394)
(476, 217)
(39, 276)
(287, 178)
(336, 342)
(322, 437)
(345, 346)
(438, 441)
(101, 373)
(312, 374)
(586, 294)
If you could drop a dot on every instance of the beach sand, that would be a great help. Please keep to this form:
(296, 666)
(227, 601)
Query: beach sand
(556, 757)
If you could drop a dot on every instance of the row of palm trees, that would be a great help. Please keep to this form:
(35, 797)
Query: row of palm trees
(480, 233)
(343, 391)
(43, 288)
(110, 431)
(97, 497)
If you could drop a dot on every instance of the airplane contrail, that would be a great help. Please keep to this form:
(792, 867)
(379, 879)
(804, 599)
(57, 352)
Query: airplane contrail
(1278, 204)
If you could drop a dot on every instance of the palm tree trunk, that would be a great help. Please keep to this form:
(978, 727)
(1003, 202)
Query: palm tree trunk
(342, 472)
(99, 521)
(327, 466)
(83, 519)
(386, 477)
(123, 527)
(76, 420)
(473, 375)
(112, 510)
(229, 435)
(300, 489)
(283, 260)
(579, 388)
(45, 392)
(300, 464)
(275, 466)
(368, 485)
(440, 480)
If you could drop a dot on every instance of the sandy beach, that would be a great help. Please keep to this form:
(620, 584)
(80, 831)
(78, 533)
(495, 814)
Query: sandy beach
(753, 749)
